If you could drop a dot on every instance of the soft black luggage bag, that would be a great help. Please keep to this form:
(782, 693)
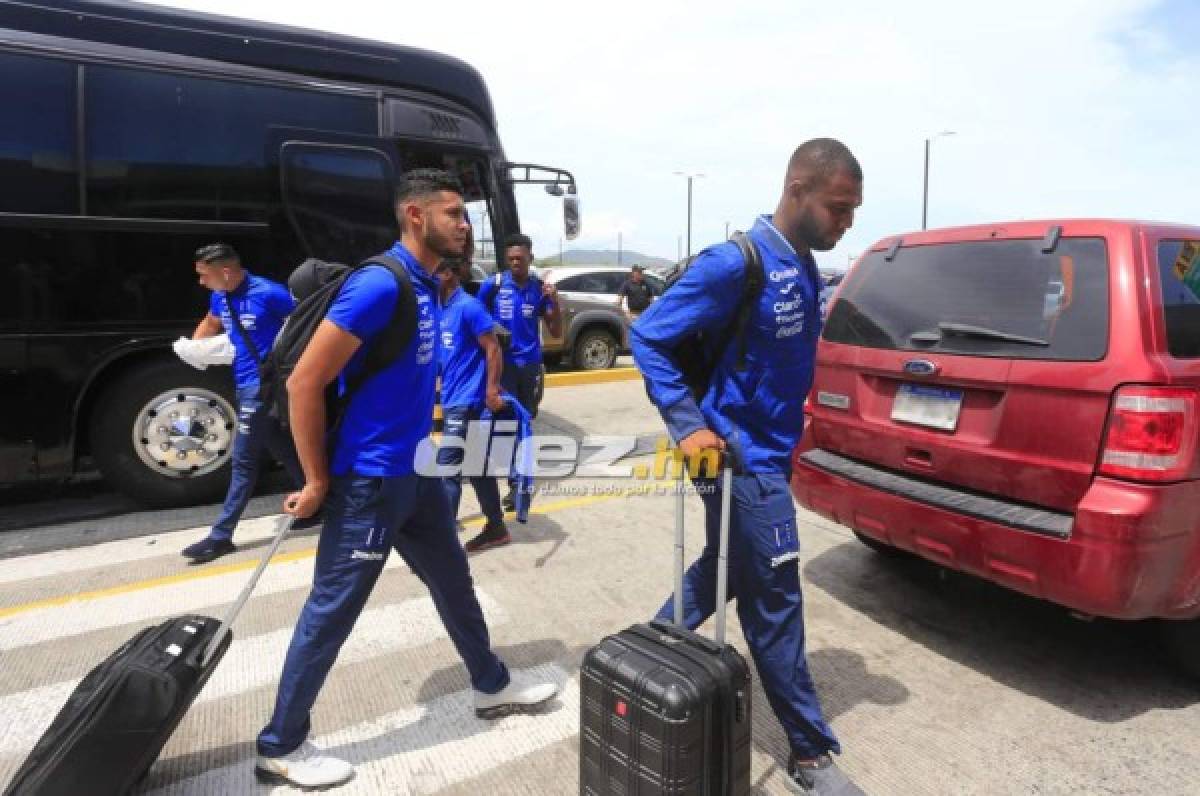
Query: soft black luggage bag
(665, 710)
(118, 719)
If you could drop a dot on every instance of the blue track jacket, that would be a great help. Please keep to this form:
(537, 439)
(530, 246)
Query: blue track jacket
(759, 411)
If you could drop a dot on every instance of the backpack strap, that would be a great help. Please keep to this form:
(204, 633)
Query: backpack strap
(247, 340)
(400, 330)
(755, 281)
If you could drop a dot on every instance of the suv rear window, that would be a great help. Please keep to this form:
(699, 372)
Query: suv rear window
(1179, 278)
(1002, 298)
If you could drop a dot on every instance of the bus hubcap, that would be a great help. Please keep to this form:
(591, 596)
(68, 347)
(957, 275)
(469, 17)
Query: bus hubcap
(185, 433)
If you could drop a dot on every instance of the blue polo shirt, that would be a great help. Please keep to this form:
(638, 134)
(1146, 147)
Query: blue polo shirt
(262, 306)
(464, 365)
(758, 411)
(518, 309)
(392, 411)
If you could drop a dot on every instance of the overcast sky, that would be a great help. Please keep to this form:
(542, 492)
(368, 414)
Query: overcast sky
(1060, 107)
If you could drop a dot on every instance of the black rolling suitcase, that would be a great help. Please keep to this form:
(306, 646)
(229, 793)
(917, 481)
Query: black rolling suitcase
(665, 710)
(118, 719)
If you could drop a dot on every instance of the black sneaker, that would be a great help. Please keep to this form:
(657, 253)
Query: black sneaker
(820, 777)
(510, 500)
(208, 549)
(491, 536)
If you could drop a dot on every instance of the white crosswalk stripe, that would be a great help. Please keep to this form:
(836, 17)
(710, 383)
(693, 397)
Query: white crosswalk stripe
(55, 622)
(421, 749)
(204, 594)
(80, 559)
(252, 663)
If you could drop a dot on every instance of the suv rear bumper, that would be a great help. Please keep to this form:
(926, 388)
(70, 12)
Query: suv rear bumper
(1130, 551)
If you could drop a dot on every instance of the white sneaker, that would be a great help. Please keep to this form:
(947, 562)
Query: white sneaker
(516, 697)
(306, 767)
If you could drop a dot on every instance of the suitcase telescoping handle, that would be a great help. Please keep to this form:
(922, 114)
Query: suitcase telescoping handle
(722, 550)
(284, 527)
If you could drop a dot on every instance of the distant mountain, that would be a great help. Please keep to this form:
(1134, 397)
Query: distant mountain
(604, 257)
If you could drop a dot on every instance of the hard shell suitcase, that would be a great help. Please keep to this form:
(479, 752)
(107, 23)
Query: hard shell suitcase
(665, 710)
(117, 720)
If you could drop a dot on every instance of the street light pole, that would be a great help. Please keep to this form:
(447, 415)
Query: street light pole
(689, 224)
(925, 190)
(925, 187)
(690, 177)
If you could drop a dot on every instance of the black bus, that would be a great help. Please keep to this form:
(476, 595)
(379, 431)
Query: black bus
(130, 136)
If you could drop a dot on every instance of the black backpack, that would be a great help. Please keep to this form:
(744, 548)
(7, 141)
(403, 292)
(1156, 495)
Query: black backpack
(315, 284)
(692, 353)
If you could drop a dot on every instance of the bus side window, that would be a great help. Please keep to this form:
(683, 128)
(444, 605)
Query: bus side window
(339, 199)
(38, 137)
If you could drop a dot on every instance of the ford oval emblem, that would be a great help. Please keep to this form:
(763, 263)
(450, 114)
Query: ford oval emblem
(920, 367)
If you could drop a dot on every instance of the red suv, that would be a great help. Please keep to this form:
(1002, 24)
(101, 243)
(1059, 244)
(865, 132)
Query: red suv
(1021, 401)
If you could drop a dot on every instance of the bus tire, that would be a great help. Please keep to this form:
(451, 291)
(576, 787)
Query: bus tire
(162, 433)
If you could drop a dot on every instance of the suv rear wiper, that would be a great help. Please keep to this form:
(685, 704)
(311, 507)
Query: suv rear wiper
(975, 331)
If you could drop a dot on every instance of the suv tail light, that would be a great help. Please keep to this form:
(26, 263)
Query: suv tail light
(1151, 434)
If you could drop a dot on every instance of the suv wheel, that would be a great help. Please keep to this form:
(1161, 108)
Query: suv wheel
(596, 349)
(1182, 640)
(162, 433)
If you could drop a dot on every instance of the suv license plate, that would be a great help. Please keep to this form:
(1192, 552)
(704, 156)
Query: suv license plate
(922, 405)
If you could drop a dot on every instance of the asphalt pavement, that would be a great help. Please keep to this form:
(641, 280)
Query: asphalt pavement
(935, 682)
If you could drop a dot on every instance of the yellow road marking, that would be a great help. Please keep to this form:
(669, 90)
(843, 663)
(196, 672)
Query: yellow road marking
(572, 379)
(238, 566)
(152, 583)
(576, 378)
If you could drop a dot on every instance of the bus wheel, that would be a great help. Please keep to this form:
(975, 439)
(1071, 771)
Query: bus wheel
(162, 433)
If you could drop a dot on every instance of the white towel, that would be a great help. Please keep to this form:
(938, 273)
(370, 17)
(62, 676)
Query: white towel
(202, 353)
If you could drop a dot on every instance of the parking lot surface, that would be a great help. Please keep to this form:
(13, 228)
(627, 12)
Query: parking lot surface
(936, 683)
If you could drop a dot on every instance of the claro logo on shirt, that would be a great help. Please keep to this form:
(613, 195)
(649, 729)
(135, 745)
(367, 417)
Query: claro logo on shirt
(426, 334)
(787, 303)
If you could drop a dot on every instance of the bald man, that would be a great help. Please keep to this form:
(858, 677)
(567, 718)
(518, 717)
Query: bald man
(756, 415)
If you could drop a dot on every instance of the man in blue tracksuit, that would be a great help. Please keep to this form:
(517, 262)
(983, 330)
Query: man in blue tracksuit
(517, 300)
(373, 499)
(250, 309)
(756, 416)
(471, 363)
